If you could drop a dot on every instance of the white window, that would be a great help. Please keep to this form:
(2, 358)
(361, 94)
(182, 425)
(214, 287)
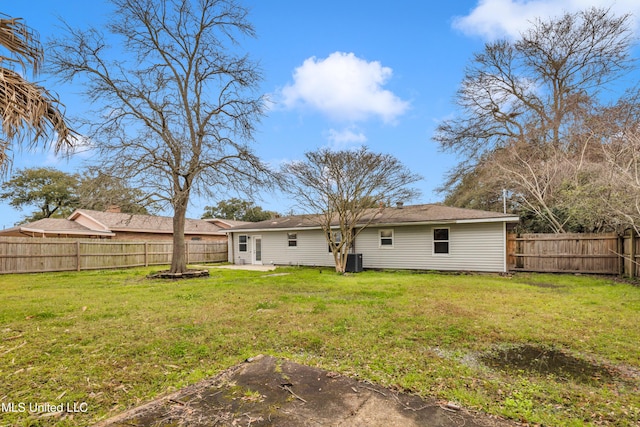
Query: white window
(242, 243)
(386, 238)
(440, 240)
(292, 240)
(337, 238)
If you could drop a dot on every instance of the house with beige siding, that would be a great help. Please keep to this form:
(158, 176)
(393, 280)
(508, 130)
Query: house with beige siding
(421, 237)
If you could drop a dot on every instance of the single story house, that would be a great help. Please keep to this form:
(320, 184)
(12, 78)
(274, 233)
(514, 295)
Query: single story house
(85, 223)
(422, 237)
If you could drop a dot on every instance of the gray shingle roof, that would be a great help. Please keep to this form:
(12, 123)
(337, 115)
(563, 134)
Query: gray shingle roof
(54, 226)
(226, 223)
(117, 221)
(427, 213)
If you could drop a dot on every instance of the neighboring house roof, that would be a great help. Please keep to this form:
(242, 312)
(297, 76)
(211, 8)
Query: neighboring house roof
(49, 227)
(406, 215)
(124, 222)
(90, 223)
(226, 223)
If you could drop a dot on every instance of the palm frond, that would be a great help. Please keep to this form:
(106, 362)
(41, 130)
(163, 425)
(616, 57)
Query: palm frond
(22, 42)
(28, 112)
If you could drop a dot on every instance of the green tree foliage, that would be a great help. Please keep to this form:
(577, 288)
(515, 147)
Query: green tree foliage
(99, 191)
(52, 192)
(55, 194)
(239, 210)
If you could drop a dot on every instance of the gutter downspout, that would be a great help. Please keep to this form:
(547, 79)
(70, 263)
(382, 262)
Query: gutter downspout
(504, 250)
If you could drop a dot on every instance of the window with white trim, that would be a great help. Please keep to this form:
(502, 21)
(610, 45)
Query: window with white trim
(242, 243)
(440, 240)
(337, 238)
(385, 238)
(292, 240)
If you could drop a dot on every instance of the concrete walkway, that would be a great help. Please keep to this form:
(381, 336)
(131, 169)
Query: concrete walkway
(249, 267)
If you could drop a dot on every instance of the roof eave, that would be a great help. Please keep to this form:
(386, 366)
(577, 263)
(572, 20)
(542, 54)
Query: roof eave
(497, 219)
(382, 224)
(78, 232)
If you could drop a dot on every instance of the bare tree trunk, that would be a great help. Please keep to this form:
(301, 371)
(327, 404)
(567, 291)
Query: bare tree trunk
(337, 258)
(343, 261)
(178, 260)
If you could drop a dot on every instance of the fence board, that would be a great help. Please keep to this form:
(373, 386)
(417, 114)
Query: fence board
(570, 253)
(32, 255)
(551, 253)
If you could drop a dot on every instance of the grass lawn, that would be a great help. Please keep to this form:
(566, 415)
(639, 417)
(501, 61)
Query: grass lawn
(556, 350)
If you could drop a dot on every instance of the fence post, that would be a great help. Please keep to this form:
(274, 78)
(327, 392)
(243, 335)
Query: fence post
(77, 255)
(620, 252)
(632, 254)
(146, 254)
(186, 249)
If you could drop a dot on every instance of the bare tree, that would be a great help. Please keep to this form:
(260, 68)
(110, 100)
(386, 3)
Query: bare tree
(347, 190)
(29, 111)
(101, 192)
(524, 104)
(178, 102)
(538, 173)
(617, 182)
(623, 157)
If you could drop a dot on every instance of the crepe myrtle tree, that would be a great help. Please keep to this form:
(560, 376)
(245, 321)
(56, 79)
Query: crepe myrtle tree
(176, 100)
(348, 189)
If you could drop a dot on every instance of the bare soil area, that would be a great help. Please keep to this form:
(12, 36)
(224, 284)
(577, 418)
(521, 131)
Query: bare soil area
(265, 391)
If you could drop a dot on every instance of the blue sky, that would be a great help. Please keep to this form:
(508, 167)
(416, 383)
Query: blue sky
(342, 73)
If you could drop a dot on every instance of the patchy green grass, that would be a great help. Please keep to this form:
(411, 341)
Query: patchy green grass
(114, 339)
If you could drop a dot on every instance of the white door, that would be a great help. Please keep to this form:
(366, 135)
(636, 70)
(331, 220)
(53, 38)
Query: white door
(257, 250)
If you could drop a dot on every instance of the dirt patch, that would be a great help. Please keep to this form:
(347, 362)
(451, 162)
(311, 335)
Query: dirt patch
(541, 284)
(189, 274)
(546, 361)
(273, 392)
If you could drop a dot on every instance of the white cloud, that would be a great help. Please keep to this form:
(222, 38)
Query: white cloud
(493, 19)
(82, 149)
(341, 139)
(345, 88)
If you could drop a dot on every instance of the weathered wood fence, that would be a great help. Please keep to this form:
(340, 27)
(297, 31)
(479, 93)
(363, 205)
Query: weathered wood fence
(33, 255)
(606, 253)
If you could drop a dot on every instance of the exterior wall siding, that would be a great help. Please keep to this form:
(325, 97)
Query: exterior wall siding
(312, 249)
(472, 247)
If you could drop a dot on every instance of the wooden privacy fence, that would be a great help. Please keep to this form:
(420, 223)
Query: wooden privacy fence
(34, 255)
(596, 253)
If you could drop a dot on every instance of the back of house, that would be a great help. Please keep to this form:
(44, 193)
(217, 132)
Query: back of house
(421, 237)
